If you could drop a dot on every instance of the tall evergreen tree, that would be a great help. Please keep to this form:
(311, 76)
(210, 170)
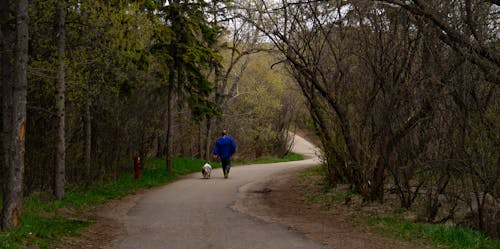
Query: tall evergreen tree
(185, 44)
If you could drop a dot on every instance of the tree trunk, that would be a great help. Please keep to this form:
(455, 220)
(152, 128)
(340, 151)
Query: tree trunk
(173, 72)
(376, 192)
(7, 78)
(181, 146)
(200, 141)
(13, 196)
(60, 103)
(88, 137)
(171, 81)
(6, 34)
(208, 138)
(160, 152)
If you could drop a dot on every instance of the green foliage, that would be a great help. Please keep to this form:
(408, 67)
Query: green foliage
(107, 66)
(185, 42)
(262, 106)
(442, 236)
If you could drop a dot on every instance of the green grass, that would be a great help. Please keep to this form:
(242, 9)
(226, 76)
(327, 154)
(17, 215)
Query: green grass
(442, 236)
(264, 160)
(45, 221)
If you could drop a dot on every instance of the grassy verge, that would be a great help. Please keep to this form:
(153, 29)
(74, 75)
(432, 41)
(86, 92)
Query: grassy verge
(46, 221)
(392, 225)
(289, 157)
(441, 236)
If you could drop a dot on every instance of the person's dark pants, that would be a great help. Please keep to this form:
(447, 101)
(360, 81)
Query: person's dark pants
(226, 164)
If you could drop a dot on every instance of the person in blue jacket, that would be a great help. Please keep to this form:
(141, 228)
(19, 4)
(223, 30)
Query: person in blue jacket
(224, 149)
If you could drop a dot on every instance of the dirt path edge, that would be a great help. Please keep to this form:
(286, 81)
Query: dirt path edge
(280, 199)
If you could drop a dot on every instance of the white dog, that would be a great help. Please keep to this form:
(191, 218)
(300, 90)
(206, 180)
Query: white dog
(206, 170)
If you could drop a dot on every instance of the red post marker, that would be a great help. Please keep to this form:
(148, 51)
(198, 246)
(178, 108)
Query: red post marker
(137, 167)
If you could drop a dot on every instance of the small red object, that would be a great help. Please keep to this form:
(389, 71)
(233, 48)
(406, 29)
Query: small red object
(137, 167)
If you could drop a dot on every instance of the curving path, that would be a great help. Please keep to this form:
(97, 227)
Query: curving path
(196, 213)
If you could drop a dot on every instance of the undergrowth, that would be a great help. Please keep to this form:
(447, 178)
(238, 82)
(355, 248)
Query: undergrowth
(449, 236)
(441, 235)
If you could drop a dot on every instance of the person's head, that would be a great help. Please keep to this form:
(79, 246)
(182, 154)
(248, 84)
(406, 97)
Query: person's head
(224, 132)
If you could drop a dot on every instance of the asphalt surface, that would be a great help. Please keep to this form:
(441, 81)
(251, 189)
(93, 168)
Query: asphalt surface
(196, 213)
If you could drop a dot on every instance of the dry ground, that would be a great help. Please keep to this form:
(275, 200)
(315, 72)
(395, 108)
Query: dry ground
(284, 199)
(106, 226)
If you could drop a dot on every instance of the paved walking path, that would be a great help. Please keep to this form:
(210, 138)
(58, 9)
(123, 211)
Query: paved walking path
(196, 213)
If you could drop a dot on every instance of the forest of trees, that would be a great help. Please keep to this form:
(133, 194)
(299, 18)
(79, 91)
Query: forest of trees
(402, 94)
(404, 97)
(95, 83)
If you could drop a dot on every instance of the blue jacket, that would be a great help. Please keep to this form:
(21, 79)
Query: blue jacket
(224, 147)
